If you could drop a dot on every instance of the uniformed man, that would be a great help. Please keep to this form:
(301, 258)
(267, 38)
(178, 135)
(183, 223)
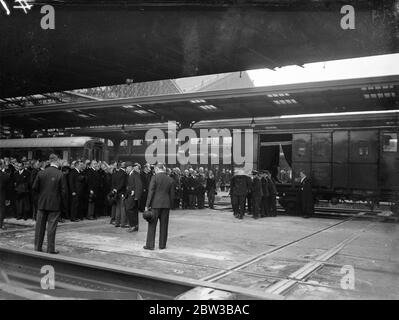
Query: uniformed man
(175, 175)
(265, 195)
(191, 186)
(185, 189)
(22, 188)
(76, 190)
(36, 167)
(119, 180)
(306, 196)
(239, 188)
(272, 208)
(134, 189)
(200, 188)
(256, 194)
(248, 199)
(4, 181)
(146, 175)
(93, 184)
(65, 211)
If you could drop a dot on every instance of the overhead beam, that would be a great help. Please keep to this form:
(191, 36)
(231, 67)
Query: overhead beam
(210, 95)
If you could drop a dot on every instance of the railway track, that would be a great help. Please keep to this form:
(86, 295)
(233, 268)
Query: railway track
(82, 279)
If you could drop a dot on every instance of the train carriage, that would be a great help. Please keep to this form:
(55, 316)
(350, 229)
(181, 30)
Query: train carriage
(65, 147)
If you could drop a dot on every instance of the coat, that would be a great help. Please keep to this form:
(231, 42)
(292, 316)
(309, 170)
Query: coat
(135, 184)
(307, 204)
(51, 188)
(161, 192)
(240, 185)
(118, 181)
(76, 182)
(4, 181)
(22, 184)
(256, 188)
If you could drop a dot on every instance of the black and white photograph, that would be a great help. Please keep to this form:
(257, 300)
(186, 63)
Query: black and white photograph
(178, 152)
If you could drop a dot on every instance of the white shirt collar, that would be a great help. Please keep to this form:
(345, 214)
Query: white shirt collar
(303, 179)
(53, 165)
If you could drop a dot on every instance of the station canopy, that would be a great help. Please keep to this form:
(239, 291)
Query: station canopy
(362, 94)
(103, 42)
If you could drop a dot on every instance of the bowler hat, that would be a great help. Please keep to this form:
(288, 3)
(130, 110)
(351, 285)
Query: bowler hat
(148, 215)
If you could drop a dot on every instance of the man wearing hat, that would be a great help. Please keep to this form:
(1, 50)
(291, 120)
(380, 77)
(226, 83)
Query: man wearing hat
(256, 191)
(272, 209)
(93, 185)
(119, 180)
(134, 191)
(306, 196)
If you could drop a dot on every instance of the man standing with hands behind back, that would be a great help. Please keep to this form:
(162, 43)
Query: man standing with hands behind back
(50, 185)
(160, 200)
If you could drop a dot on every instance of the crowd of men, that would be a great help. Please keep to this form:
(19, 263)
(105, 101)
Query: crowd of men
(257, 194)
(120, 189)
(95, 188)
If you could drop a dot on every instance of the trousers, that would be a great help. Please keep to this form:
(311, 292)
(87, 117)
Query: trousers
(163, 216)
(49, 218)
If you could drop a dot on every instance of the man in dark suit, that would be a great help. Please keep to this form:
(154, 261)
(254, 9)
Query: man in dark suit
(76, 190)
(4, 181)
(93, 185)
(146, 176)
(256, 191)
(240, 186)
(119, 180)
(51, 188)
(272, 208)
(134, 190)
(265, 194)
(22, 188)
(160, 200)
(306, 196)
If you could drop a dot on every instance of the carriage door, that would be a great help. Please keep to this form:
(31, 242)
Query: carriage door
(389, 166)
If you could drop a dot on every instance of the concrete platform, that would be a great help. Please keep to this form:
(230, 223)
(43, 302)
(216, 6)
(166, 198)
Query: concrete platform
(255, 254)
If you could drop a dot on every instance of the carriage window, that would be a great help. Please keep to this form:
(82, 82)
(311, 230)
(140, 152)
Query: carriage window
(390, 142)
(363, 149)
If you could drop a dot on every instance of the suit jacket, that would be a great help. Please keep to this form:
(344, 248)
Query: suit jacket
(265, 187)
(240, 185)
(271, 186)
(4, 180)
(135, 184)
(76, 182)
(307, 203)
(257, 187)
(50, 185)
(119, 179)
(22, 184)
(93, 180)
(161, 192)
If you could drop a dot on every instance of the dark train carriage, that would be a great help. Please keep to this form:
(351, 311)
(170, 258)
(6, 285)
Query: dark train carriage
(65, 147)
(349, 164)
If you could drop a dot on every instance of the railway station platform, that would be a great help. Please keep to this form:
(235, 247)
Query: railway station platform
(354, 257)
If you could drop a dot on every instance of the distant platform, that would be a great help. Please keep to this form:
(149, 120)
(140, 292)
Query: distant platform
(295, 257)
